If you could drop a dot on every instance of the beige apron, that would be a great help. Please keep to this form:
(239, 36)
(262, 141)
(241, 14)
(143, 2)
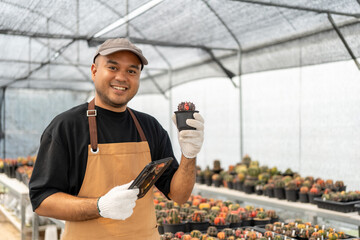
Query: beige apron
(114, 164)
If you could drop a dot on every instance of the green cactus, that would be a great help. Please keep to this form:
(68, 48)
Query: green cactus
(198, 216)
(228, 232)
(173, 216)
(212, 231)
(169, 204)
(254, 171)
(232, 218)
(261, 215)
(195, 233)
(246, 160)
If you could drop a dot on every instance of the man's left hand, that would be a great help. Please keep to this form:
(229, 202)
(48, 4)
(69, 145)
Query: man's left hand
(191, 140)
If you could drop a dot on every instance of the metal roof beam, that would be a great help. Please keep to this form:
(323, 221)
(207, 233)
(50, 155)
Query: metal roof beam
(97, 41)
(337, 30)
(307, 9)
(41, 35)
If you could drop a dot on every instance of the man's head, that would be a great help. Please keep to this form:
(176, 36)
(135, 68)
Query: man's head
(120, 44)
(116, 73)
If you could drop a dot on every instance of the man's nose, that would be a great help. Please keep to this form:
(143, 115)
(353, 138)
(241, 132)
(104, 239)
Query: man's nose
(121, 75)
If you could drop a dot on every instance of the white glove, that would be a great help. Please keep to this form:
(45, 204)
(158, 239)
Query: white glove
(118, 203)
(191, 140)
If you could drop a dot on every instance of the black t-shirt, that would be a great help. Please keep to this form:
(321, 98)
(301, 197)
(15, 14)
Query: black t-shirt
(61, 161)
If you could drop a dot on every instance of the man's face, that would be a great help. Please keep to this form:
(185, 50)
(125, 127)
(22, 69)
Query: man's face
(116, 78)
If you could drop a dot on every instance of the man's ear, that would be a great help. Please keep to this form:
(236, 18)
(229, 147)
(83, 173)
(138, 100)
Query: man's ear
(93, 71)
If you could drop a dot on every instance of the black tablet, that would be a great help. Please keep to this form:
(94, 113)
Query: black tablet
(148, 176)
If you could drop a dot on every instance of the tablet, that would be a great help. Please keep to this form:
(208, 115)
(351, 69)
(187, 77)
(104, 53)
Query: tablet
(148, 176)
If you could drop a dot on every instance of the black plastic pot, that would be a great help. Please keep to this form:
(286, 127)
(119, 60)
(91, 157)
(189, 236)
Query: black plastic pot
(275, 219)
(249, 189)
(161, 229)
(303, 197)
(235, 225)
(312, 196)
(279, 193)
(181, 117)
(247, 222)
(259, 192)
(258, 222)
(217, 183)
(230, 185)
(173, 228)
(208, 181)
(270, 192)
(200, 179)
(220, 227)
(291, 195)
(201, 226)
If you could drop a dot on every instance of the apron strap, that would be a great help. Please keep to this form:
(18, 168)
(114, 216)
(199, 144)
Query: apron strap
(138, 127)
(91, 114)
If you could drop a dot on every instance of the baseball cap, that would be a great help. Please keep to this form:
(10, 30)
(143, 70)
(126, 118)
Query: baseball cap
(120, 44)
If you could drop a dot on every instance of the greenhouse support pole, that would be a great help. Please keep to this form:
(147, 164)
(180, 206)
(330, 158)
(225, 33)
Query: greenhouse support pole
(337, 30)
(240, 108)
(170, 103)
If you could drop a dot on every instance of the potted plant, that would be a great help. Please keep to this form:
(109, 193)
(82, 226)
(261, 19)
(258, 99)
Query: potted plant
(216, 179)
(279, 190)
(185, 110)
(173, 222)
(249, 186)
(228, 181)
(269, 189)
(208, 176)
(219, 223)
(217, 166)
(200, 175)
(291, 191)
(272, 215)
(199, 221)
(303, 194)
(212, 231)
(261, 218)
(233, 219)
(314, 192)
(246, 160)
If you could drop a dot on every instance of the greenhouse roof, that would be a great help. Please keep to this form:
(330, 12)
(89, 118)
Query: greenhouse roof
(50, 44)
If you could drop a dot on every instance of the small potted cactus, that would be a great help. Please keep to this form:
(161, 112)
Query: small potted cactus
(173, 222)
(208, 176)
(269, 190)
(272, 215)
(216, 179)
(219, 223)
(279, 189)
(291, 191)
(233, 219)
(199, 221)
(217, 166)
(314, 192)
(185, 110)
(303, 194)
(261, 218)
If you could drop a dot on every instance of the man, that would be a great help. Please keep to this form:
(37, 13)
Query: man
(90, 154)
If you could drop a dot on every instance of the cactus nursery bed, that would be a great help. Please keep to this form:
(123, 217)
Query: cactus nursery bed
(344, 207)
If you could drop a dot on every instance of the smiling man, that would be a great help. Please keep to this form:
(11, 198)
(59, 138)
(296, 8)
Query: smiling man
(89, 155)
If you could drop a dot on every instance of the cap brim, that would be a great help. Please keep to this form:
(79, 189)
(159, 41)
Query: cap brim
(112, 50)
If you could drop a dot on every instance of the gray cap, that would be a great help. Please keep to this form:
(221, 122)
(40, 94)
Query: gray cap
(120, 44)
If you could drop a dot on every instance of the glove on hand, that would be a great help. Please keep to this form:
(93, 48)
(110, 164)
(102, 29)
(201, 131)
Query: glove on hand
(118, 203)
(191, 140)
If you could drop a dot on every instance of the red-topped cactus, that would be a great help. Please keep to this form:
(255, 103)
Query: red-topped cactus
(185, 110)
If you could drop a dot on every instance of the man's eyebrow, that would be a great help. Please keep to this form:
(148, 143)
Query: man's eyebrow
(112, 62)
(134, 66)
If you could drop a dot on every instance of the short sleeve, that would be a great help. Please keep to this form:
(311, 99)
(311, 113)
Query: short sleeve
(50, 174)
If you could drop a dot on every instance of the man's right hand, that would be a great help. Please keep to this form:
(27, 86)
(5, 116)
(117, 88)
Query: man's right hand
(118, 203)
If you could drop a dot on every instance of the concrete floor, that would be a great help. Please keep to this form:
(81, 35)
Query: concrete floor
(7, 230)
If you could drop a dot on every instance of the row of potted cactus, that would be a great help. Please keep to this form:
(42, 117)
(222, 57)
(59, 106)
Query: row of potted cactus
(15, 168)
(250, 177)
(199, 213)
(303, 230)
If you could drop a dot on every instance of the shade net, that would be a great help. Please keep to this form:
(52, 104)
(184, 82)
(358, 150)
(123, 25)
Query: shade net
(51, 44)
